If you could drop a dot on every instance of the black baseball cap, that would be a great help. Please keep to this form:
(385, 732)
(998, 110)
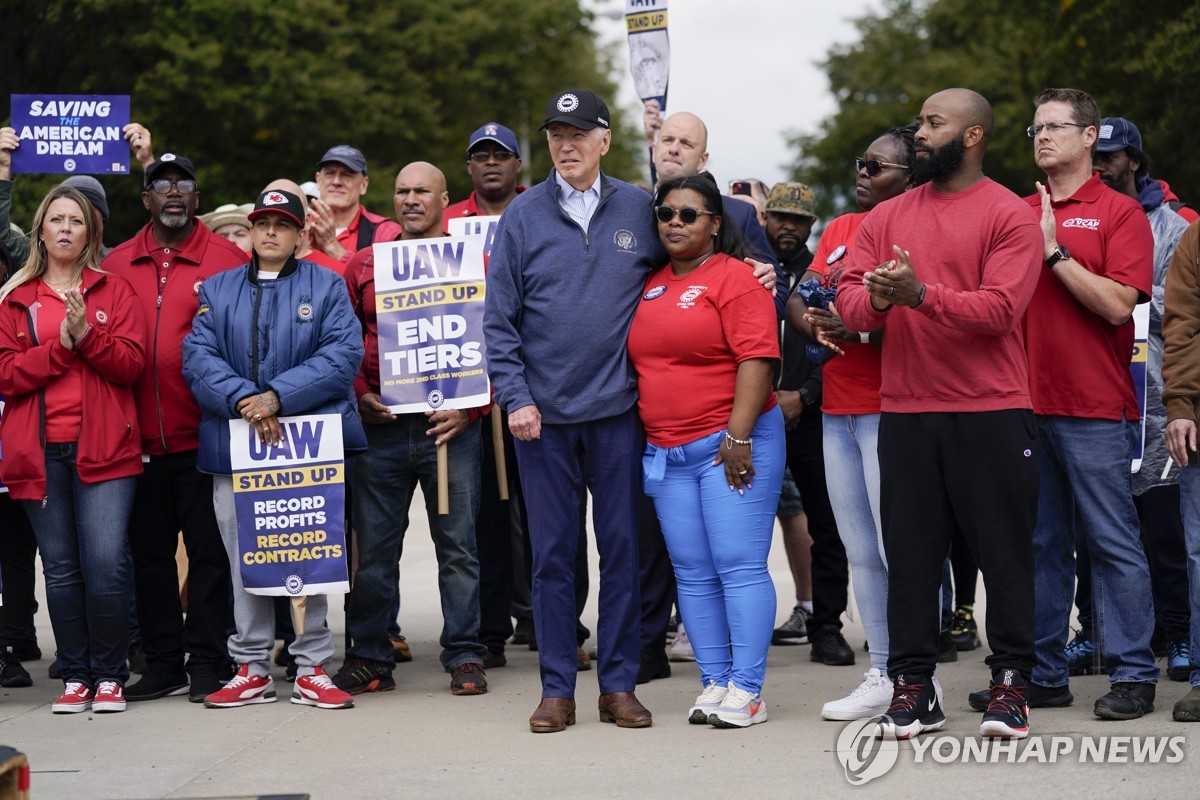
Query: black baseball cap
(180, 163)
(277, 201)
(578, 108)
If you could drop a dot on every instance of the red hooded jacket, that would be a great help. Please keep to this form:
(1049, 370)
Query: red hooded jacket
(168, 414)
(113, 354)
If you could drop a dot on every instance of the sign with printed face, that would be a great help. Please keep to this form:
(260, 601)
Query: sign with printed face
(429, 307)
(649, 49)
(290, 500)
(74, 134)
(484, 226)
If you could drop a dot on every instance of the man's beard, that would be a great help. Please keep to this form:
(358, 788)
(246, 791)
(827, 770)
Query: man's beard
(173, 219)
(941, 162)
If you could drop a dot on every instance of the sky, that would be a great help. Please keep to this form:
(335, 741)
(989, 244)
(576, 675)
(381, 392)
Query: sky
(747, 68)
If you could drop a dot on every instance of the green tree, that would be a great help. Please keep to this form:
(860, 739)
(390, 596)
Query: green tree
(1139, 61)
(253, 90)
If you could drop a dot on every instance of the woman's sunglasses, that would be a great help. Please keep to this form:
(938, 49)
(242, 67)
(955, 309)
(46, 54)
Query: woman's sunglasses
(874, 166)
(687, 215)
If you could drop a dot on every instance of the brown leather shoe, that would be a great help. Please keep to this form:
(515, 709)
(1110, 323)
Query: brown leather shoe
(624, 709)
(553, 715)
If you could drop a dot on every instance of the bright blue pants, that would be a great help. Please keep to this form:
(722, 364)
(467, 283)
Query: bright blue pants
(719, 541)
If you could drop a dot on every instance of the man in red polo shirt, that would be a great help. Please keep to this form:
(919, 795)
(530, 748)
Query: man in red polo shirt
(493, 162)
(166, 262)
(1099, 256)
(341, 225)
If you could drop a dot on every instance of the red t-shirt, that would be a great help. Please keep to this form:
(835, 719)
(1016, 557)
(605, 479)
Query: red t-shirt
(64, 408)
(319, 258)
(1079, 363)
(851, 382)
(978, 252)
(689, 334)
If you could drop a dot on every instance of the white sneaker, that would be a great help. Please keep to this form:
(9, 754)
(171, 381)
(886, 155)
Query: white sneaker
(707, 703)
(681, 648)
(870, 699)
(739, 709)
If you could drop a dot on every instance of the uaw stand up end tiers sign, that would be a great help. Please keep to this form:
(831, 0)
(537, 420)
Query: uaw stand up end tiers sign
(290, 501)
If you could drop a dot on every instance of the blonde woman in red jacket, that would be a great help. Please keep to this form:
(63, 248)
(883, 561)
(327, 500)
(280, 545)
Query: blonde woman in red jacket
(71, 346)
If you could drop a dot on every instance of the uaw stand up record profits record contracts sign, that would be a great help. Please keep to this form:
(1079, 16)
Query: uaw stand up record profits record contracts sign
(290, 500)
(429, 305)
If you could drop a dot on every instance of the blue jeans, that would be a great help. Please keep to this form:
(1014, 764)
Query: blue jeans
(719, 541)
(1189, 488)
(81, 532)
(1085, 481)
(400, 455)
(852, 477)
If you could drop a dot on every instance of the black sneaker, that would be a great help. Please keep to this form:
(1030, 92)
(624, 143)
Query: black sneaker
(28, 651)
(523, 631)
(794, 631)
(137, 659)
(947, 652)
(1126, 700)
(12, 674)
(358, 675)
(653, 664)
(1007, 714)
(54, 671)
(1036, 696)
(964, 633)
(467, 678)
(915, 709)
(204, 681)
(829, 648)
(154, 685)
(1083, 656)
(494, 659)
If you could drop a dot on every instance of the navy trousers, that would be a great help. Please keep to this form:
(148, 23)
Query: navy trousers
(603, 456)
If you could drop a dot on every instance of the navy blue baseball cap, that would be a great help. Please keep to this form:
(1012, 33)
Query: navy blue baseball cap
(1117, 133)
(495, 132)
(348, 156)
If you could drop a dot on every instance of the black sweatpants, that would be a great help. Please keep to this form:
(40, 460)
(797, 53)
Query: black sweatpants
(978, 470)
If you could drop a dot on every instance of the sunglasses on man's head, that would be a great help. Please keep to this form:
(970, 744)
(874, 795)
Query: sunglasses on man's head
(686, 215)
(874, 166)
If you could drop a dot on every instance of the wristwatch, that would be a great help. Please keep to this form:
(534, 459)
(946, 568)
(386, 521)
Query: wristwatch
(1058, 255)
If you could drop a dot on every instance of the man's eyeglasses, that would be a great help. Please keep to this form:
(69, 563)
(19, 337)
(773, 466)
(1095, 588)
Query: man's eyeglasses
(484, 156)
(1052, 127)
(686, 215)
(874, 166)
(163, 185)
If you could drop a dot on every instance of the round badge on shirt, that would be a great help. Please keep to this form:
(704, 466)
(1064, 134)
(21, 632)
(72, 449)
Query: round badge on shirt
(657, 291)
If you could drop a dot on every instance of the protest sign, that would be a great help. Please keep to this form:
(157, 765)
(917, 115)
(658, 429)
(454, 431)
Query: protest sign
(484, 226)
(649, 48)
(70, 134)
(1137, 366)
(290, 501)
(429, 307)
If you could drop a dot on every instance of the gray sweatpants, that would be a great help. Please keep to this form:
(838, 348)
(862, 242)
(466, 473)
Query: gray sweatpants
(254, 614)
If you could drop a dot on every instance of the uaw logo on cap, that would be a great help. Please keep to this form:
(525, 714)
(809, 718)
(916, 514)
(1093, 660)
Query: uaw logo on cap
(168, 157)
(625, 240)
(293, 584)
(274, 199)
(435, 398)
(567, 103)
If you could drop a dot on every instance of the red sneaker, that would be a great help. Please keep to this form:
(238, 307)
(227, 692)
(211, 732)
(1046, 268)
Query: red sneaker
(318, 690)
(243, 690)
(76, 697)
(110, 698)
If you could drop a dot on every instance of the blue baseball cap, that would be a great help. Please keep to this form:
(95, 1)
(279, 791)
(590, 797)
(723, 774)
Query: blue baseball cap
(348, 156)
(495, 132)
(1117, 133)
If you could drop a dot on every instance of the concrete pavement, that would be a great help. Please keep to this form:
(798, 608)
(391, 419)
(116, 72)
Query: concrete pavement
(420, 741)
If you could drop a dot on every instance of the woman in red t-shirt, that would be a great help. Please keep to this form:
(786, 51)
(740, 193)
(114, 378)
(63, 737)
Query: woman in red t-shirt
(704, 342)
(71, 347)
